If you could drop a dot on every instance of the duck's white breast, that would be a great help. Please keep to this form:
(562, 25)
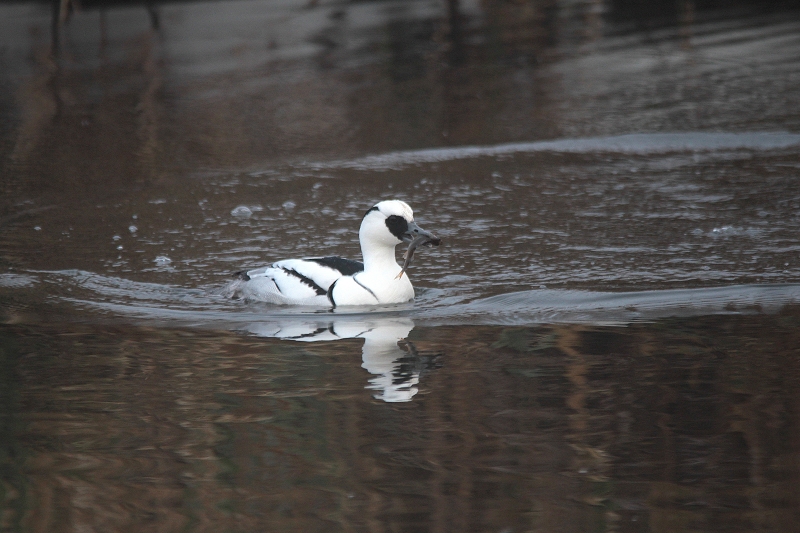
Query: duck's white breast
(365, 288)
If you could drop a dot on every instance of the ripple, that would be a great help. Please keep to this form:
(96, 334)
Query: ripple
(631, 144)
(17, 281)
(206, 309)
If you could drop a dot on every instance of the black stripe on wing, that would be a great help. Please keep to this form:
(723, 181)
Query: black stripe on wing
(347, 267)
(305, 279)
(330, 293)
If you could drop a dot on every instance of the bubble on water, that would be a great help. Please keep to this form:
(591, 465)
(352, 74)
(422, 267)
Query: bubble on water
(115, 238)
(134, 217)
(37, 228)
(730, 231)
(288, 204)
(119, 247)
(242, 211)
(132, 228)
(162, 260)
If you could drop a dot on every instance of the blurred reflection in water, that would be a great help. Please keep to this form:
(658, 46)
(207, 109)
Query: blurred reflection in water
(397, 369)
(243, 84)
(676, 425)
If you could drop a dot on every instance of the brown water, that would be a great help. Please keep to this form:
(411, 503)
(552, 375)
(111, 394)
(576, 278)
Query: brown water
(608, 340)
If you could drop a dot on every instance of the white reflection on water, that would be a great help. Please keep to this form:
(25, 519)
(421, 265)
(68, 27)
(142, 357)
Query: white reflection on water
(381, 354)
(631, 144)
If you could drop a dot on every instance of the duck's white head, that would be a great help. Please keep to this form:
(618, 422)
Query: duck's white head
(389, 223)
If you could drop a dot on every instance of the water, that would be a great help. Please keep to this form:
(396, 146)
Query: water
(606, 341)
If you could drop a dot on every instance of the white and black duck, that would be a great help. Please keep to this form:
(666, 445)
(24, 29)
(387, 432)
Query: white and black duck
(335, 281)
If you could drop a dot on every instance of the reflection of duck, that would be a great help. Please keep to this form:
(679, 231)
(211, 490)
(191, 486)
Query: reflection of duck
(334, 281)
(382, 356)
(386, 353)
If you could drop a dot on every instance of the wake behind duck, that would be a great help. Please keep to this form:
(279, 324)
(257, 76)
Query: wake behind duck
(335, 281)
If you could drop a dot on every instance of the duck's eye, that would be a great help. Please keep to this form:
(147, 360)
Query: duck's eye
(397, 226)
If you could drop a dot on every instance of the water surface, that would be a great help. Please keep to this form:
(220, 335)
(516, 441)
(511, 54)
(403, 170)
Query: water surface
(607, 341)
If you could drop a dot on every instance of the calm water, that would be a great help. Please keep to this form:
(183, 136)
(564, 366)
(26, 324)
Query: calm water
(609, 340)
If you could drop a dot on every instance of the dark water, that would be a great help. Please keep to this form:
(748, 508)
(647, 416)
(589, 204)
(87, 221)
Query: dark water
(608, 341)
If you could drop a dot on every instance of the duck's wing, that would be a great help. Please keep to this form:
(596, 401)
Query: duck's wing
(293, 281)
(301, 279)
(345, 267)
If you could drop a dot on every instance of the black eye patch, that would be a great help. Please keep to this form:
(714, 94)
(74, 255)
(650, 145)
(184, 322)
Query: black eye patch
(397, 226)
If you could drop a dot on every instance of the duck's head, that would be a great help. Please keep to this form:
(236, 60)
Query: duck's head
(391, 222)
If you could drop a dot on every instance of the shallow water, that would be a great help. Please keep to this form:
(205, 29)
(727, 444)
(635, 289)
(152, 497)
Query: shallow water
(607, 340)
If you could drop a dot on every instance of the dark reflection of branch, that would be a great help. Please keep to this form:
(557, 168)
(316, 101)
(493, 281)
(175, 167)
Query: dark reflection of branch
(155, 21)
(61, 10)
(55, 6)
(457, 53)
(103, 34)
(150, 105)
(331, 38)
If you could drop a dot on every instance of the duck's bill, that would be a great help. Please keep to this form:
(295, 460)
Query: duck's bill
(415, 232)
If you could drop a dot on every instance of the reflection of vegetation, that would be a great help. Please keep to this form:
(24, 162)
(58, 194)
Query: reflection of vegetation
(225, 453)
(525, 340)
(517, 339)
(562, 427)
(13, 493)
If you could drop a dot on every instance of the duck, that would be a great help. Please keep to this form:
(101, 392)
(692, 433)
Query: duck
(333, 281)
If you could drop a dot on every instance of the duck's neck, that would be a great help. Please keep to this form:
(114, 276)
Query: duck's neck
(380, 258)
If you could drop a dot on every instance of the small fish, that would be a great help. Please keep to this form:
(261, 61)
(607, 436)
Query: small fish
(409, 253)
